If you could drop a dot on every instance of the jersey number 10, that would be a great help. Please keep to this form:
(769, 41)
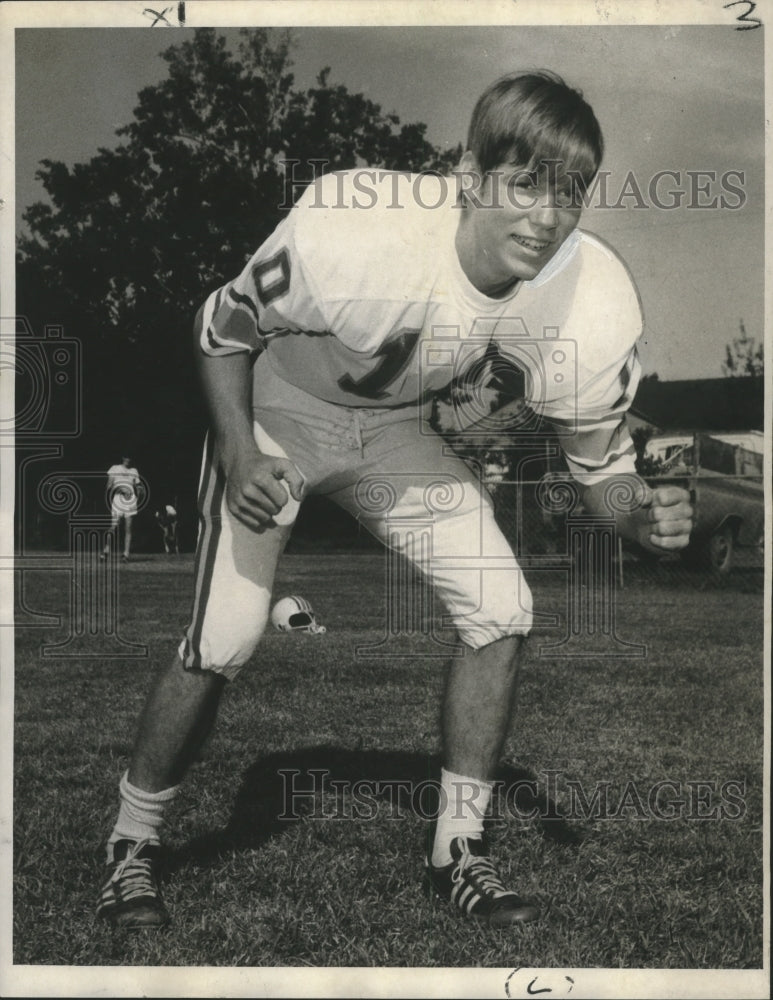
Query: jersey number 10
(390, 360)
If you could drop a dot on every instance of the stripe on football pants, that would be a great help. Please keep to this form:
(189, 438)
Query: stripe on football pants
(211, 492)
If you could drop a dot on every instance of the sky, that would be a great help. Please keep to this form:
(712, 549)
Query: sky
(669, 98)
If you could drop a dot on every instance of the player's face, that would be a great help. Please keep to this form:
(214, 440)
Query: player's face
(513, 224)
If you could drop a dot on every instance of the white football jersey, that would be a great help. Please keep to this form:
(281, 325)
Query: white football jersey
(123, 478)
(360, 300)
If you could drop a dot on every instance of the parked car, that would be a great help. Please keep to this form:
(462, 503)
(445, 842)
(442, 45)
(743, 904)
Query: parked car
(724, 475)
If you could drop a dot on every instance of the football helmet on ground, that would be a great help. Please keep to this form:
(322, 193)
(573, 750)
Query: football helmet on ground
(295, 614)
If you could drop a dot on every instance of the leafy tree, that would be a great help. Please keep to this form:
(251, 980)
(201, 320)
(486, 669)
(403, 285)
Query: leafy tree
(743, 356)
(133, 240)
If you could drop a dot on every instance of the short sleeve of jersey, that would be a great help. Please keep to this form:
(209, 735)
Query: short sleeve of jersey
(600, 444)
(274, 293)
(605, 327)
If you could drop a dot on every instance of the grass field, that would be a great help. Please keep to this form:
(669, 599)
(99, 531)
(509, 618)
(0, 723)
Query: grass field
(248, 888)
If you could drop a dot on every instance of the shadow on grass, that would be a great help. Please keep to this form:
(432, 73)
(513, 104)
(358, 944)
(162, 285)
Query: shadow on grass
(279, 790)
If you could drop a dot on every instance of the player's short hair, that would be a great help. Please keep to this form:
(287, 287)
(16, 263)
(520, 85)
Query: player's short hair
(529, 117)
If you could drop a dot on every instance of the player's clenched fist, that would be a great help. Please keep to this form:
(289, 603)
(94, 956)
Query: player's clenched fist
(668, 518)
(255, 493)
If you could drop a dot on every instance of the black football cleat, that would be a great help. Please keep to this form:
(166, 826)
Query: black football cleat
(131, 896)
(472, 885)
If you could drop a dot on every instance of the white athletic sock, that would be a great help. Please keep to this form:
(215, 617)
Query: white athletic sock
(463, 805)
(140, 815)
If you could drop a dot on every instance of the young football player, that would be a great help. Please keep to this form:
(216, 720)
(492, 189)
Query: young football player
(123, 482)
(361, 304)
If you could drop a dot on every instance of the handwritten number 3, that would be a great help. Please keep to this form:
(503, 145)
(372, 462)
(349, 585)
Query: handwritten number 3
(749, 22)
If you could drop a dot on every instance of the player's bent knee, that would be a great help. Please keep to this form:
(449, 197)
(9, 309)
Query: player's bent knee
(223, 652)
(506, 610)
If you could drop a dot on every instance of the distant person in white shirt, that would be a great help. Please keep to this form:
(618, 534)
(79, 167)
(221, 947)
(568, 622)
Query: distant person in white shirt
(122, 484)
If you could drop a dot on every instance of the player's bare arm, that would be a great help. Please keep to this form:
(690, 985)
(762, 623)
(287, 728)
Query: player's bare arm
(661, 521)
(254, 489)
